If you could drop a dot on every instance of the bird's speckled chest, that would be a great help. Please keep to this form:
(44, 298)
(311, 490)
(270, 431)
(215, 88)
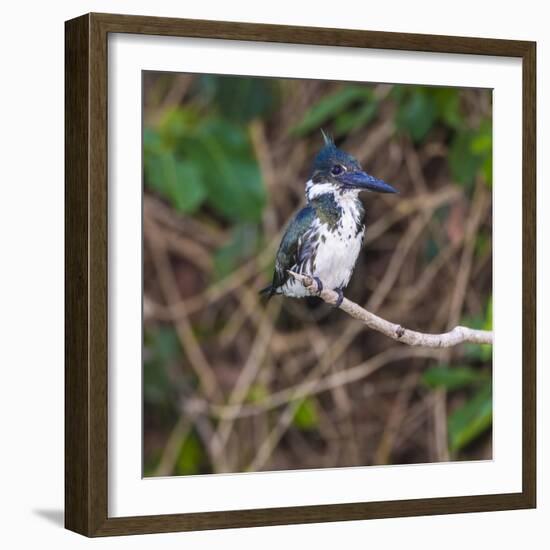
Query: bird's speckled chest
(334, 241)
(339, 245)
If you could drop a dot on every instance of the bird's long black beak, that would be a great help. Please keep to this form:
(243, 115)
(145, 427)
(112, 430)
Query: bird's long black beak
(362, 180)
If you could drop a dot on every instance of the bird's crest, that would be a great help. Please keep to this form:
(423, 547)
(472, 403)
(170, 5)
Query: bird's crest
(328, 155)
(327, 138)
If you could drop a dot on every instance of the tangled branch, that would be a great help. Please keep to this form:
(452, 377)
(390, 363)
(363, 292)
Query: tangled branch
(455, 336)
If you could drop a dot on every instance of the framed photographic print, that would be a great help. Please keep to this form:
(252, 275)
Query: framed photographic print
(300, 275)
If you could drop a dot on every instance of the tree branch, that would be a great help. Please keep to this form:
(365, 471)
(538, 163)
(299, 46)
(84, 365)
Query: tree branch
(455, 336)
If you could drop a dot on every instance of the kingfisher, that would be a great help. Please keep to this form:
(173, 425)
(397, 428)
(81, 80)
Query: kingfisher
(324, 238)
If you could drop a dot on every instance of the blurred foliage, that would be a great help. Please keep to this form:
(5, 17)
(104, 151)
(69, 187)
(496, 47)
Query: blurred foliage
(453, 378)
(471, 419)
(202, 160)
(257, 393)
(239, 99)
(350, 108)
(190, 457)
(192, 160)
(243, 243)
(163, 348)
(200, 153)
(481, 352)
(475, 415)
(306, 416)
(420, 108)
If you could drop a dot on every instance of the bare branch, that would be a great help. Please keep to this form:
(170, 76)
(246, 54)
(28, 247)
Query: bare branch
(455, 336)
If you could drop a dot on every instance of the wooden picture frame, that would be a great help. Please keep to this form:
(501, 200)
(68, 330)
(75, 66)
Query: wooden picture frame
(86, 284)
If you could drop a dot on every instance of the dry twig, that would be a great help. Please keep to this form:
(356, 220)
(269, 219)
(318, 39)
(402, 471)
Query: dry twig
(457, 335)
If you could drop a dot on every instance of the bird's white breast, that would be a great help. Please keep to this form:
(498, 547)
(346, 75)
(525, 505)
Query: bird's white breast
(337, 250)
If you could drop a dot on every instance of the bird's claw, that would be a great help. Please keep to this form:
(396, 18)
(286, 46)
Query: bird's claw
(319, 289)
(340, 298)
(319, 284)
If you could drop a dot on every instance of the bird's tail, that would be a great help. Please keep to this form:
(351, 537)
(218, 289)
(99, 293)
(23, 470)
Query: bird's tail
(268, 290)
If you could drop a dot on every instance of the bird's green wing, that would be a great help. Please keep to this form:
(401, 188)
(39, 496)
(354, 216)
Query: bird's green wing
(290, 251)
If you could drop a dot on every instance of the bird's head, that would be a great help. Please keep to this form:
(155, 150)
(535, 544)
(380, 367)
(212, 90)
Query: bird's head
(335, 170)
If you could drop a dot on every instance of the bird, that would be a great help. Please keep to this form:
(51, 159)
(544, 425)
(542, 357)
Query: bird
(324, 238)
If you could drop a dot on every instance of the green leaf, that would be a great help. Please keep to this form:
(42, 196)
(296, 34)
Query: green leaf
(188, 191)
(177, 181)
(471, 420)
(482, 146)
(482, 140)
(487, 170)
(240, 99)
(191, 456)
(478, 352)
(448, 106)
(349, 121)
(175, 124)
(471, 153)
(306, 416)
(329, 106)
(463, 163)
(417, 114)
(191, 159)
(230, 172)
(452, 378)
(152, 142)
(482, 244)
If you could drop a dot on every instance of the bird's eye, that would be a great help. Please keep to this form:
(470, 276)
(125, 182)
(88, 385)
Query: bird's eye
(337, 169)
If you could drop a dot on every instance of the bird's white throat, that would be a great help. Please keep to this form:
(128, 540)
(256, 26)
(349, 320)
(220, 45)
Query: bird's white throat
(314, 190)
(346, 199)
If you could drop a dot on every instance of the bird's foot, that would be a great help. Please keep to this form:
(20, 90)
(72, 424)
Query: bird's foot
(340, 298)
(319, 284)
